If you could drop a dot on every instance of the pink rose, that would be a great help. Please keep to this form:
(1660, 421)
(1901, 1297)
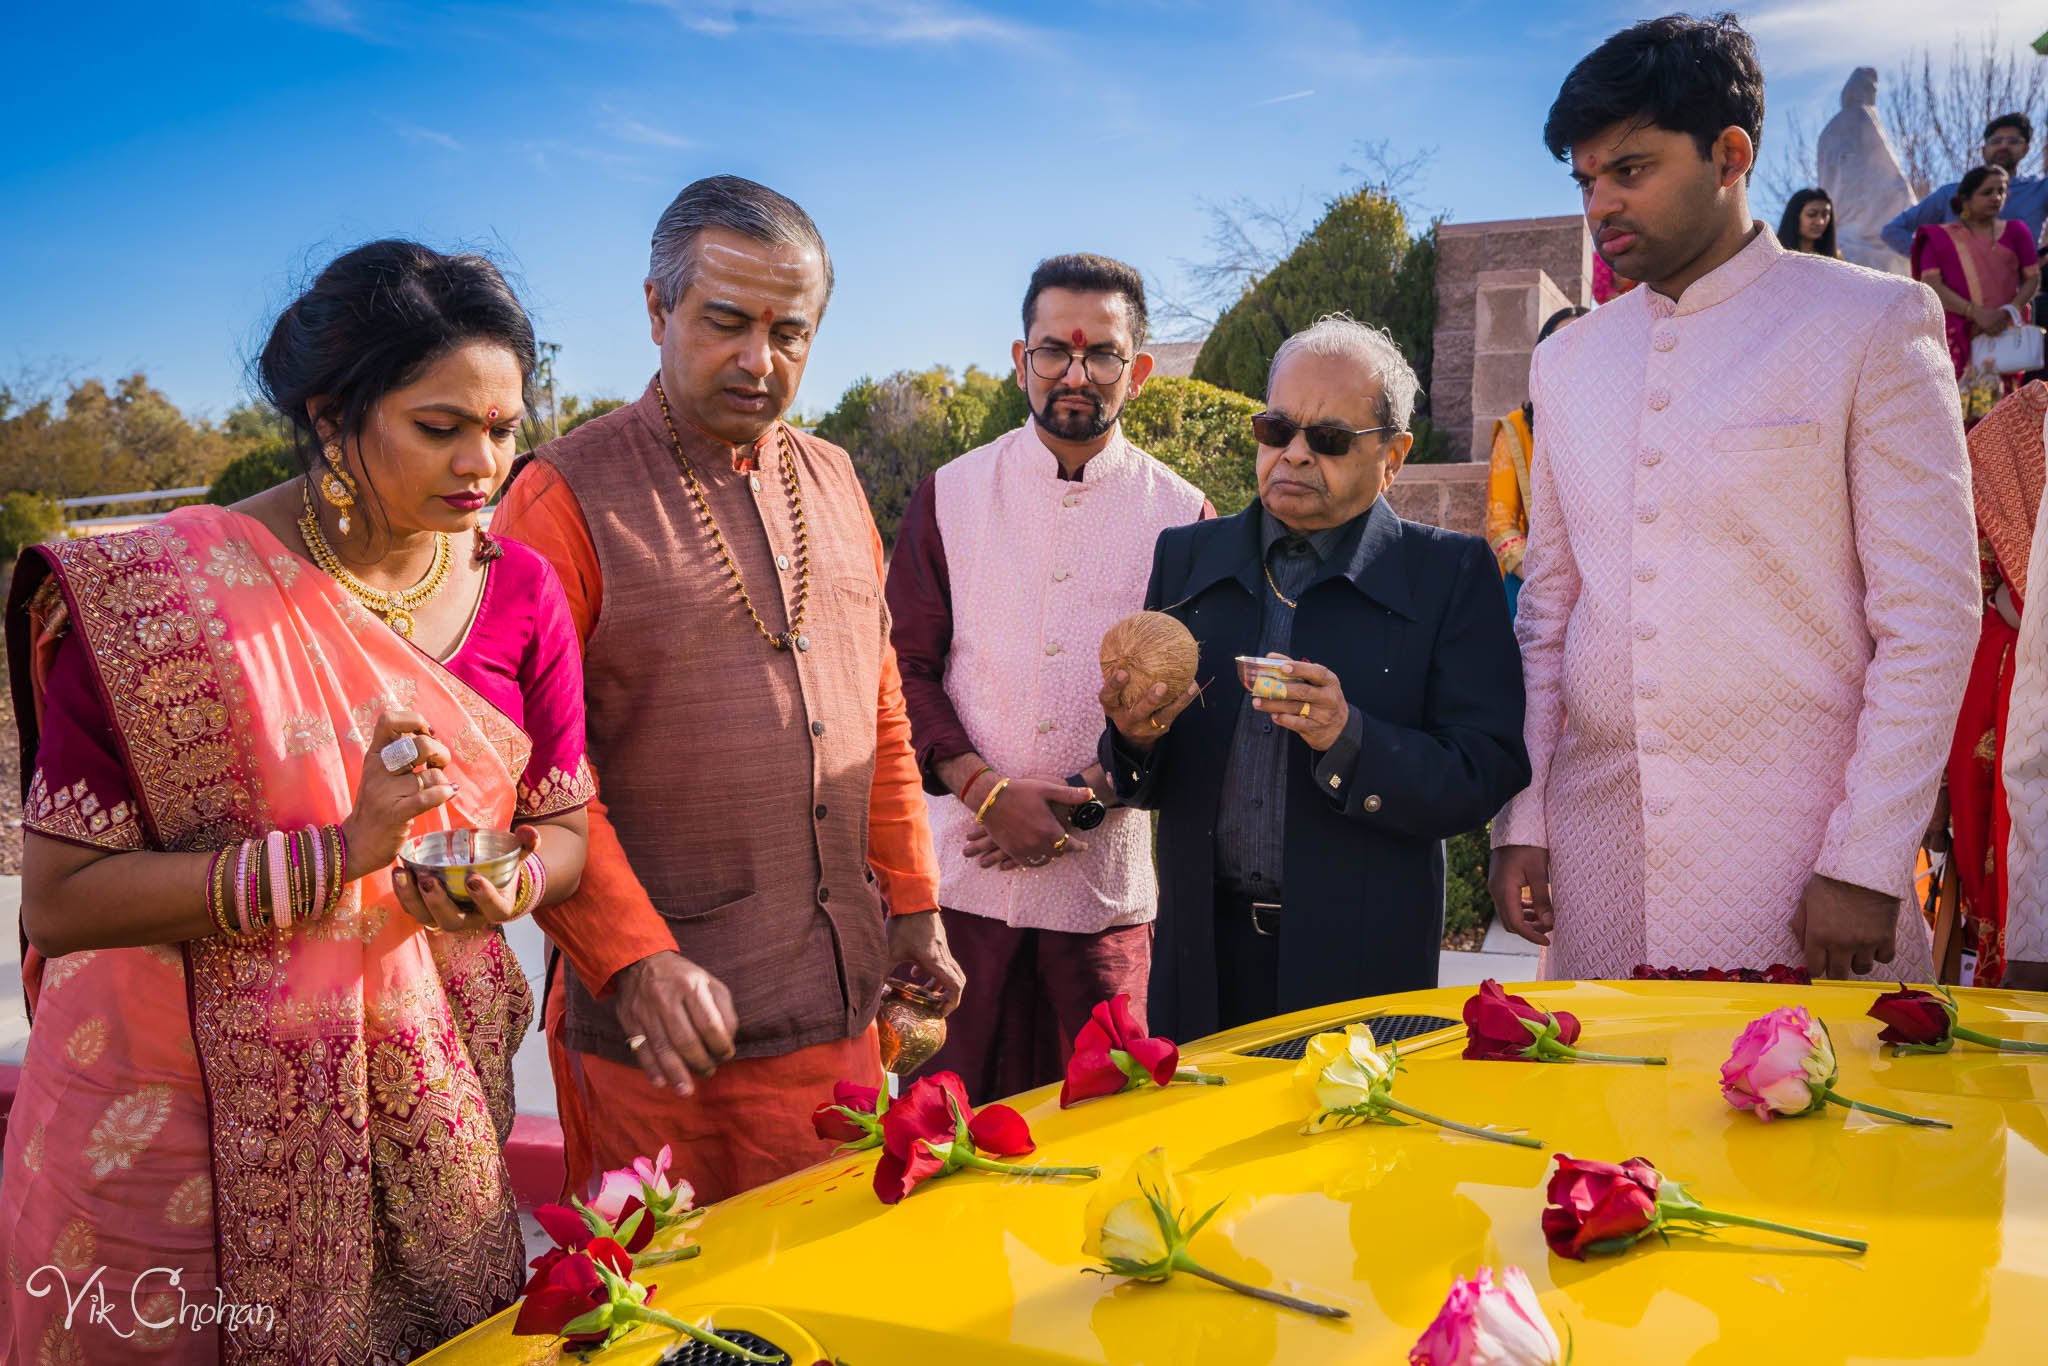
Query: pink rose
(1783, 1064)
(1484, 1324)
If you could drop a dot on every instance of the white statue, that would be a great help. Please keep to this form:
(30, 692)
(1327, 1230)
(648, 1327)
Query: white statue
(1861, 174)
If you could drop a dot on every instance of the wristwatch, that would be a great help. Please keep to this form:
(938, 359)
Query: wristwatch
(1090, 813)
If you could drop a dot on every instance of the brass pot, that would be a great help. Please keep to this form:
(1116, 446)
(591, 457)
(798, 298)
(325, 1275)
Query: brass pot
(911, 1026)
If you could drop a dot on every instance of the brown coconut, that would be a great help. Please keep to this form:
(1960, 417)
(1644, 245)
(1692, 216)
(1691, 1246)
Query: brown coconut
(1151, 647)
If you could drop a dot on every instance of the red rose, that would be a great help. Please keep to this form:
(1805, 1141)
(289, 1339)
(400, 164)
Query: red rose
(565, 1286)
(1599, 1207)
(833, 1121)
(921, 1130)
(1095, 1069)
(1911, 1016)
(1497, 1025)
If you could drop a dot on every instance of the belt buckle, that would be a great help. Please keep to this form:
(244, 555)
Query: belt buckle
(1266, 918)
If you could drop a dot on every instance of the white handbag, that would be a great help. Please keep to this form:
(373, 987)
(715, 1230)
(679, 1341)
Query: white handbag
(2014, 351)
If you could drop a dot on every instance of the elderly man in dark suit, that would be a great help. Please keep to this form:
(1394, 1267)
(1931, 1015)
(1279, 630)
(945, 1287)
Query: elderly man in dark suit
(1301, 836)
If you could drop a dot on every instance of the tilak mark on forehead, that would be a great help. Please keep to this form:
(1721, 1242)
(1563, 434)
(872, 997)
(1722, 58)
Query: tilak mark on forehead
(1078, 337)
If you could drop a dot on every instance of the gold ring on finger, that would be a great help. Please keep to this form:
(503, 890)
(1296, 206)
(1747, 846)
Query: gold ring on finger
(1153, 722)
(1059, 845)
(636, 1042)
(1304, 709)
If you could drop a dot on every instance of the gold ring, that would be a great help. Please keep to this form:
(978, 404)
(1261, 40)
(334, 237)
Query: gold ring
(1059, 844)
(1153, 722)
(1304, 709)
(636, 1042)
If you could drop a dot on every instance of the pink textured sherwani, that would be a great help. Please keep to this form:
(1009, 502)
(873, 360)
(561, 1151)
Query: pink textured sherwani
(1750, 606)
(2026, 774)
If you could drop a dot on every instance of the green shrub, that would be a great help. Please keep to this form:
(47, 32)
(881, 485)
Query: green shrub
(1202, 433)
(1467, 906)
(1359, 260)
(248, 475)
(27, 519)
(900, 428)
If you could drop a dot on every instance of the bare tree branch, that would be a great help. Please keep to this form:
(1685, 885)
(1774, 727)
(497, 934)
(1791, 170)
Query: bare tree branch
(1935, 114)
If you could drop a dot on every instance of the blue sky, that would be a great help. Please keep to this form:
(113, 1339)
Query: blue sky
(171, 172)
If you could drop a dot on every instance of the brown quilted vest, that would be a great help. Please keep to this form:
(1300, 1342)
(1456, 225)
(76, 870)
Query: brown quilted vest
(737, 775)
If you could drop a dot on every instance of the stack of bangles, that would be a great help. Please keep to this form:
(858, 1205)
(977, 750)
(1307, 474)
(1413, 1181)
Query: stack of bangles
(276, 879)
(533, 884)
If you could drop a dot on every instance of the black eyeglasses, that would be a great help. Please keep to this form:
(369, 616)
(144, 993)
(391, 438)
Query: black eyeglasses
(1101, 367)
(1324, 438)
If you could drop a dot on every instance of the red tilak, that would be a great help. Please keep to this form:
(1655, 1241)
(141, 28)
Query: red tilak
(1080, 338)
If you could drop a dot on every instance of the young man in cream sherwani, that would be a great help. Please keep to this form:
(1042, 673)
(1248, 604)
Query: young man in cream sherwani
(1752, 585)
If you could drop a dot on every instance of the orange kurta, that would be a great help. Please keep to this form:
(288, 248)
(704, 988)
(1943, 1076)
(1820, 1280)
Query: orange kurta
(751, 1122)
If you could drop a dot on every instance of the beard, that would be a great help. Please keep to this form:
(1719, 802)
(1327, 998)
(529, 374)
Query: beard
(1075, 426)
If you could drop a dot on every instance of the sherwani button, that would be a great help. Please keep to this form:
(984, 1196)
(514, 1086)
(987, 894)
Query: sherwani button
(1371, 803)
(1652, 458)
(824, 895)
(1046, 727)
(782, 561)
(754, 482)
(1646, 630)
(1052, 648)
(1665, 341)
(817, 727)
(1647, 513)
(803, 644)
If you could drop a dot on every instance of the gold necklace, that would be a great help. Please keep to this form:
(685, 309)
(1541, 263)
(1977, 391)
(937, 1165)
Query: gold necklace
(396, 608)
(1291, 603)
(794, 635)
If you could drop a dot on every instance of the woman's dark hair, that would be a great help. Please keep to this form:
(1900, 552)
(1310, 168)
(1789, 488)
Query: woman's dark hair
(1687, 75)
(1550, 325)
(1788, 224)
(372, 322)
(1972, 182)
(2024, 124)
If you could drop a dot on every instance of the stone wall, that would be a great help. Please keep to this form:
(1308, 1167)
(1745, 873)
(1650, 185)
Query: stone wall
(1449, 496)
(1485, 296)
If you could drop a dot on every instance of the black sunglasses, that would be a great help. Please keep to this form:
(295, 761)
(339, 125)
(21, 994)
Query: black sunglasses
(1324, 438)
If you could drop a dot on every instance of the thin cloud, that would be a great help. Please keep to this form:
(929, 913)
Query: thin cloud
(871, 22)
(339, 16)
(414, 133)
(1797, 36)
(629, 129)
(1281, 99)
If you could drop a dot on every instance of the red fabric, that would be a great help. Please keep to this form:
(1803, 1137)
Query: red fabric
(1979, 818)
(1029, 993)
(748, 1124)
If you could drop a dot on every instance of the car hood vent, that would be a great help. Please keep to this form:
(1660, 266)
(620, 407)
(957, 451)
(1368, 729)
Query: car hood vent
(695, 1353)
(1385, 1029)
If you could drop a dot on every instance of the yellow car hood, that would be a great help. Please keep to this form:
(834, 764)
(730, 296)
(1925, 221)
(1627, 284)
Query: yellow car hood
(1377, 1219)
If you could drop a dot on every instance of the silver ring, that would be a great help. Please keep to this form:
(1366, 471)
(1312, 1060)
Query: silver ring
(400, 755)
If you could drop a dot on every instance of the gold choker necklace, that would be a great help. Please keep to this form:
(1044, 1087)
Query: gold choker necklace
(396, 608)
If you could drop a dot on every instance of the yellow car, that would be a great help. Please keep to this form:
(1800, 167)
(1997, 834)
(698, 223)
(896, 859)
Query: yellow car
(979, 1268)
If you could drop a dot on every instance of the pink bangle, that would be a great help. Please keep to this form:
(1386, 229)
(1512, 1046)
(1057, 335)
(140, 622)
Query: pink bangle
(242, 886)
(280, 892)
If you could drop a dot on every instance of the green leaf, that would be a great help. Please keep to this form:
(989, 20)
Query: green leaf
(600, 1317)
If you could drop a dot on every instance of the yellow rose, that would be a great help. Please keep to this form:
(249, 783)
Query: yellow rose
(1122, 1227)
(1338, 1071)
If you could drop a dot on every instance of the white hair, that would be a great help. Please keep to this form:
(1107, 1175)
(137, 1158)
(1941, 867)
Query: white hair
(1339, 334)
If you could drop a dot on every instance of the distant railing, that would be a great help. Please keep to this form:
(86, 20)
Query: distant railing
(100, 500)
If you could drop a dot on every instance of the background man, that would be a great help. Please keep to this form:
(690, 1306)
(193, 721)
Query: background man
(2006, 140)
(1300, 837)
(727, 947)
(1013, 561)
(1752, 585)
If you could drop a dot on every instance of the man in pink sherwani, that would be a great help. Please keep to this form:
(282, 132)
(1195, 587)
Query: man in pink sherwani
(1752, 586)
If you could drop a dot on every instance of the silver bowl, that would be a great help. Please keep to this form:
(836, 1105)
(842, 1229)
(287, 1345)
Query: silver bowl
(453, 857)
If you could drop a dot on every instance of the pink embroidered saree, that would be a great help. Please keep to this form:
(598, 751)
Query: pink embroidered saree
(286, 1149)
(1986, 272)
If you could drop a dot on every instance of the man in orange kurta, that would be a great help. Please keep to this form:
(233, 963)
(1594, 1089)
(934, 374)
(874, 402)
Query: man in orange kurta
(726, 948)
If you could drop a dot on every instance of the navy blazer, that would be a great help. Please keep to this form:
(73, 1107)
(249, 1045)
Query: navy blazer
(1415, 625)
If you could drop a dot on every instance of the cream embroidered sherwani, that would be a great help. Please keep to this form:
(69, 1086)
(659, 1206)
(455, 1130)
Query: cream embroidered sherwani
(2026, 776)
(1751, 602)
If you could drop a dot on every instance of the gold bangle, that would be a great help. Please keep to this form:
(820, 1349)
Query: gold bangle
(988, 802)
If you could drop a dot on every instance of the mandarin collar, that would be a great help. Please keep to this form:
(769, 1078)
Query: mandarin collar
(1724, 281)
(1100, 465)
(704, 450)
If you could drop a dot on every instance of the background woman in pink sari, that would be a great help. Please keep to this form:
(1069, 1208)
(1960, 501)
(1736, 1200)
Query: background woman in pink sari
(1978, 266)
(269, 1078)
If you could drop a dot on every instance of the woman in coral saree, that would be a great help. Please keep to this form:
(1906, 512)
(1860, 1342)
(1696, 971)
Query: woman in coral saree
(269, 1077)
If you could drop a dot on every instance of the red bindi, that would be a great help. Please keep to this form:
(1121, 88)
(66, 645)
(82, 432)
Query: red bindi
(1079, 337)
(768, 316)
